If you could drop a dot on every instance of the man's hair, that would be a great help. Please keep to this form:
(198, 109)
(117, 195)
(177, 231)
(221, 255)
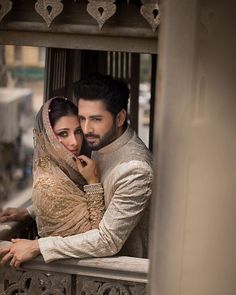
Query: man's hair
(113, 92)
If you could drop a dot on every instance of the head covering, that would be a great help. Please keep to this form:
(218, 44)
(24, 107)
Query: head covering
(58, 198)
(46, 145)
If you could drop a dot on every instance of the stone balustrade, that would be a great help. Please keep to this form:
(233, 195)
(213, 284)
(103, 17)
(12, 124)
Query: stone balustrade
(102, 276)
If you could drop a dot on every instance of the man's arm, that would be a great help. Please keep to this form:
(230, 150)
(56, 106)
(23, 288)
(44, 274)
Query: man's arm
(18, 251)
(132, 190)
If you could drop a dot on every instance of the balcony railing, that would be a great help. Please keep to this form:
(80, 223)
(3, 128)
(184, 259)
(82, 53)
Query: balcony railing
(118, 275)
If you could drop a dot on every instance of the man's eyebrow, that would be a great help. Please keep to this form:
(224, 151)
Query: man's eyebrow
(92, 116)
(95, 116)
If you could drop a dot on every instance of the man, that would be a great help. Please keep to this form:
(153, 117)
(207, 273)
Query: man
(126, 175)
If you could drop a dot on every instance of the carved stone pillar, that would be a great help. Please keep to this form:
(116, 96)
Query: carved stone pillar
(193, 233)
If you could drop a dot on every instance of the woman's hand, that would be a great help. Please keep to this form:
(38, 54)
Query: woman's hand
(19, 251)
(14, 214)
(88, 169)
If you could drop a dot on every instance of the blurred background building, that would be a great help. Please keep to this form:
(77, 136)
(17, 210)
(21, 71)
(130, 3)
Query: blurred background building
(21, 95)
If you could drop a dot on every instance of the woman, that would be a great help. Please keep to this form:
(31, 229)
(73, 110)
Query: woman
(67, 196)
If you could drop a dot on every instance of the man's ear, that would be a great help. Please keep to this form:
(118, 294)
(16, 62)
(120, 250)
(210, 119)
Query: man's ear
(120, 118)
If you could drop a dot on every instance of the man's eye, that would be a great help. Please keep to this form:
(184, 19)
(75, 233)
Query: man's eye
(81, 119)
(97, 119)
(78, 131)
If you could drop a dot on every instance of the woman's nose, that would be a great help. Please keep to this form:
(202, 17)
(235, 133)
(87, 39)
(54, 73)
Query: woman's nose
(73, 140)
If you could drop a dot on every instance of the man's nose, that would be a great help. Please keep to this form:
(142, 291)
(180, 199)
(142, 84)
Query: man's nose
(87, 127)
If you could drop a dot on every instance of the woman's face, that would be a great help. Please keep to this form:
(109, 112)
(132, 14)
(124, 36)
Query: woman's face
(69, 133)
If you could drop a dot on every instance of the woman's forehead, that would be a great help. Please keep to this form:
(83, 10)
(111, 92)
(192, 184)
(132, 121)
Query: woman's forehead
(70, 121)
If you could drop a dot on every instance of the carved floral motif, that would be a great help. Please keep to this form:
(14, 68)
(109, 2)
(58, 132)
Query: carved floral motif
(49, 9)
(39, 283)
(113, 288)
(150, 11)
(5, 7)
(91, 287)
(32, 282)
(101, 10)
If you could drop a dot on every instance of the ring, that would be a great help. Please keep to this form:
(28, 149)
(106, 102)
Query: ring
(12, 261)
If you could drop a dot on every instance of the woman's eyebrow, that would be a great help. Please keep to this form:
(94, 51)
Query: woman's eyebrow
(61, 129)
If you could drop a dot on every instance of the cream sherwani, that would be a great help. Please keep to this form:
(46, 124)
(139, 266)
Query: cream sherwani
(126, 173)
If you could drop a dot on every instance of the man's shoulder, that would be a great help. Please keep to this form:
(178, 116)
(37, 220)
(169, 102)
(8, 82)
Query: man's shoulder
(134, 166)
(131, 171)
(132, 176)
(136, 150)
(129, 154)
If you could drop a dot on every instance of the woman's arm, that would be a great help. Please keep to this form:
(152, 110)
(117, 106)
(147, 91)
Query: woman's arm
(94, 189)
(95, 200)
(14, 214)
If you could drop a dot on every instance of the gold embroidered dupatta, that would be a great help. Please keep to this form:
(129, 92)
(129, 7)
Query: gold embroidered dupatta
(58, 199)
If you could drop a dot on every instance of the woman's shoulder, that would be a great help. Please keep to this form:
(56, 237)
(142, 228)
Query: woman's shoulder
(43, 163)
(56, 184)
(46, 172)
(46, 180)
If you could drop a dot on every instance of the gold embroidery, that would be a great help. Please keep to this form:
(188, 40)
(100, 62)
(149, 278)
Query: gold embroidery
(61, 207)
(43, 162)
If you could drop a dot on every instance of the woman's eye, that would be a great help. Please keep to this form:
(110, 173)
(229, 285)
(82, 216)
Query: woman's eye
(62, 134)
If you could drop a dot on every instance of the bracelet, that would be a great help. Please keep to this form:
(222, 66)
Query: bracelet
(94, 188)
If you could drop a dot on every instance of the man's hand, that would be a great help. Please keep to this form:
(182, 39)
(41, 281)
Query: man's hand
(14, 214)
(19, 251)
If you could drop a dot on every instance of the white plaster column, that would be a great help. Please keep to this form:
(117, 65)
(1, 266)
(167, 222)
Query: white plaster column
(193, 231)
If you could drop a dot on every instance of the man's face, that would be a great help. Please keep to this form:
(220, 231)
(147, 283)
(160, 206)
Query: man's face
(98, 124)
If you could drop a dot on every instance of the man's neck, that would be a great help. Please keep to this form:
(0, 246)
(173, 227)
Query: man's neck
(121, 131)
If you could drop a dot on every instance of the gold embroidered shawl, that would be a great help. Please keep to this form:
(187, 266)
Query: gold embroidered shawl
(58, 199)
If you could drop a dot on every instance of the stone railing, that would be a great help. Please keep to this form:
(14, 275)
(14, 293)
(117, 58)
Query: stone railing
(103, 276)
(112, 275)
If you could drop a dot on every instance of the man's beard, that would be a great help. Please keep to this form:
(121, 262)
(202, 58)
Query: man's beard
(103, 141)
